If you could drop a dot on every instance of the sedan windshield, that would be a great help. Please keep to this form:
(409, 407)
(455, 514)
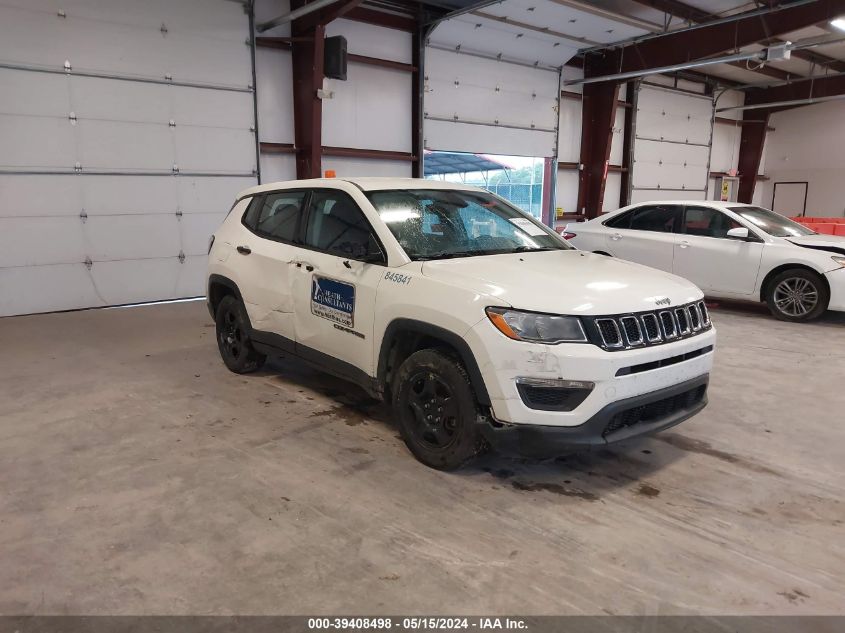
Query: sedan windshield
(772, 223)
(441, 224)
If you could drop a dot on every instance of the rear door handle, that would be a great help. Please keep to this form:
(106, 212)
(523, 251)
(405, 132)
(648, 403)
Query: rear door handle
(244, 250)
(684, 244)
(616, 236)
(308, 267)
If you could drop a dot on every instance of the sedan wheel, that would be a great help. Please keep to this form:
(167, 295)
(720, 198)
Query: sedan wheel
(797, 295)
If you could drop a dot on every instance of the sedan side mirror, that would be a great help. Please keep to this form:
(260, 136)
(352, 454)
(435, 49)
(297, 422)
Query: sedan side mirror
(740, 233)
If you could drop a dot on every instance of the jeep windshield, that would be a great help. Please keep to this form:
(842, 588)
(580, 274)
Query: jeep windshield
(449, 223)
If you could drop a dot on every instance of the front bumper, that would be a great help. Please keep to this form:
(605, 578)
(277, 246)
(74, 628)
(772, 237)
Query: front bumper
(667, 407)
(836, 282)
(503, 361)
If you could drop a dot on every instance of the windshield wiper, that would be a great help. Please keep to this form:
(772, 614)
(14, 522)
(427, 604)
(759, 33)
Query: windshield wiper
(451, 254)
(533, 249)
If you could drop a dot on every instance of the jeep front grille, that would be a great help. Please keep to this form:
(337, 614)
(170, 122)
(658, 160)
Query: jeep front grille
(652, 328)
(631, 327)
(610, 333)
(625, 331)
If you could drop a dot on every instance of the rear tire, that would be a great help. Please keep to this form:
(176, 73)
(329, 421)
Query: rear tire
(437, 411)
(797, 295)
(233, 337)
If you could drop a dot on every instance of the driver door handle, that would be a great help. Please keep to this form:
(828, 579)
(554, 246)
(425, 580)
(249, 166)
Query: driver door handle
(244, 250)
(616, 236)
(684, 244)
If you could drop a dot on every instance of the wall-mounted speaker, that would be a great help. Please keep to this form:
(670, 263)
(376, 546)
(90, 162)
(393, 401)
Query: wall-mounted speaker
(334, 58)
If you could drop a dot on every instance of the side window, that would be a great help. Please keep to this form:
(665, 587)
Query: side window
(337, 226)
(659, 219)
(250, 219)
(276, 215)
(708, 222)
(622, 221)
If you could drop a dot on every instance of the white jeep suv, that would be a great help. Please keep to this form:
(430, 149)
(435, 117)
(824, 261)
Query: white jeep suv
(480, 325)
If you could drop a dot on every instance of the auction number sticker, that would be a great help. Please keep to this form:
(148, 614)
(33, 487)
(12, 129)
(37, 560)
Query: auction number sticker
(527, 226)
(333, 300)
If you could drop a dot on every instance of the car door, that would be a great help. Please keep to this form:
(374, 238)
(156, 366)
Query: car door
(265, 251)
(336, 273)
(707, 257)
(645, 235)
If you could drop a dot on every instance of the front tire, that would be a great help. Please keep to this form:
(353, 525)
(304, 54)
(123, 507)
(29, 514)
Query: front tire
(797, 295)
(437, 410)
(233, 337)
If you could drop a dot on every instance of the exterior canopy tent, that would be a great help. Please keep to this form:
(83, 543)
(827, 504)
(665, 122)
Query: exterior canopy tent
(441, 163)
(523, 185)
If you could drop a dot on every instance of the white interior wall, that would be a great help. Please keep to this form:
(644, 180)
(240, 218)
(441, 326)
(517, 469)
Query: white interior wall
(725, 154)
(807, 146)
(370, 110)
(345, 166)
(274, 81)
(569, 149)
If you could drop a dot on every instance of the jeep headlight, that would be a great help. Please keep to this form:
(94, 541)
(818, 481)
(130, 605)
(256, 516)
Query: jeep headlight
(536, 327)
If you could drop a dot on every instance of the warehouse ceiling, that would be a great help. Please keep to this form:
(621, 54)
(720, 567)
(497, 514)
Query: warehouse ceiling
(555, 32)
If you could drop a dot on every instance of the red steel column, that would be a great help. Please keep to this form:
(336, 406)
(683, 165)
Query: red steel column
(751, 151)
(598, 112)
(307, 61)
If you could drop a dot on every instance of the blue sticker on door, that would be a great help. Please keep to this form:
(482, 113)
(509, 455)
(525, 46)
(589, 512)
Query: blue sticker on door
(333, 300)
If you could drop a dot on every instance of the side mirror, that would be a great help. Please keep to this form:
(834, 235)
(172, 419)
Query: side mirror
(740, 233)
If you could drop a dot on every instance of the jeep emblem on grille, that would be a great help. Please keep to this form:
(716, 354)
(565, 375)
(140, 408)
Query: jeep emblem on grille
(662, 302)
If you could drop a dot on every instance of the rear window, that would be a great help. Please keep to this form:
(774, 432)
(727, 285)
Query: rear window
(275, 215)
(656, 218)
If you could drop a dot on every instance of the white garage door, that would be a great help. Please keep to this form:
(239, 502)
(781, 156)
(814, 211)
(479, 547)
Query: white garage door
(487, 106)
(127, 130)
(672, 141)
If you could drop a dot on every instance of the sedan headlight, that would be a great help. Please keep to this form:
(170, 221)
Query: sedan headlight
(536, 327)
(839, 260)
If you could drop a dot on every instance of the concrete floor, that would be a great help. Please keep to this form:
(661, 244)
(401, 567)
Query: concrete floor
(138, 476)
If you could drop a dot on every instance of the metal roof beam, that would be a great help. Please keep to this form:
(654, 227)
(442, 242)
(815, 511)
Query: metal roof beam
(707, 40)
(694, 14)
(815, 88)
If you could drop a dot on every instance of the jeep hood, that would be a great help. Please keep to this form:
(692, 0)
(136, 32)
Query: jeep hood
(564, 282)
(832, 243)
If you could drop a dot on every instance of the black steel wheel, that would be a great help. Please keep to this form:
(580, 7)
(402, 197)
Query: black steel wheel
(797, 295)
(436, 410)
(233, 337)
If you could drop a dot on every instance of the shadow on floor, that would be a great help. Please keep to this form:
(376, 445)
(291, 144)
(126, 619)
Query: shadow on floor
(585, 474)
(760, 310)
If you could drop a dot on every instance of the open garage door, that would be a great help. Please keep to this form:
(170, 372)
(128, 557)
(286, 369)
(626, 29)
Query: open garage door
(492, 86)
(671, 144)
(479, 105)
(127, 129)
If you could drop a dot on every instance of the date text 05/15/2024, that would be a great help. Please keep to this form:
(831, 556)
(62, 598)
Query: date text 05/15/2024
(417, 623)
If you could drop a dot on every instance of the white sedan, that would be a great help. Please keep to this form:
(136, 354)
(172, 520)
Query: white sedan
(730, 250)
